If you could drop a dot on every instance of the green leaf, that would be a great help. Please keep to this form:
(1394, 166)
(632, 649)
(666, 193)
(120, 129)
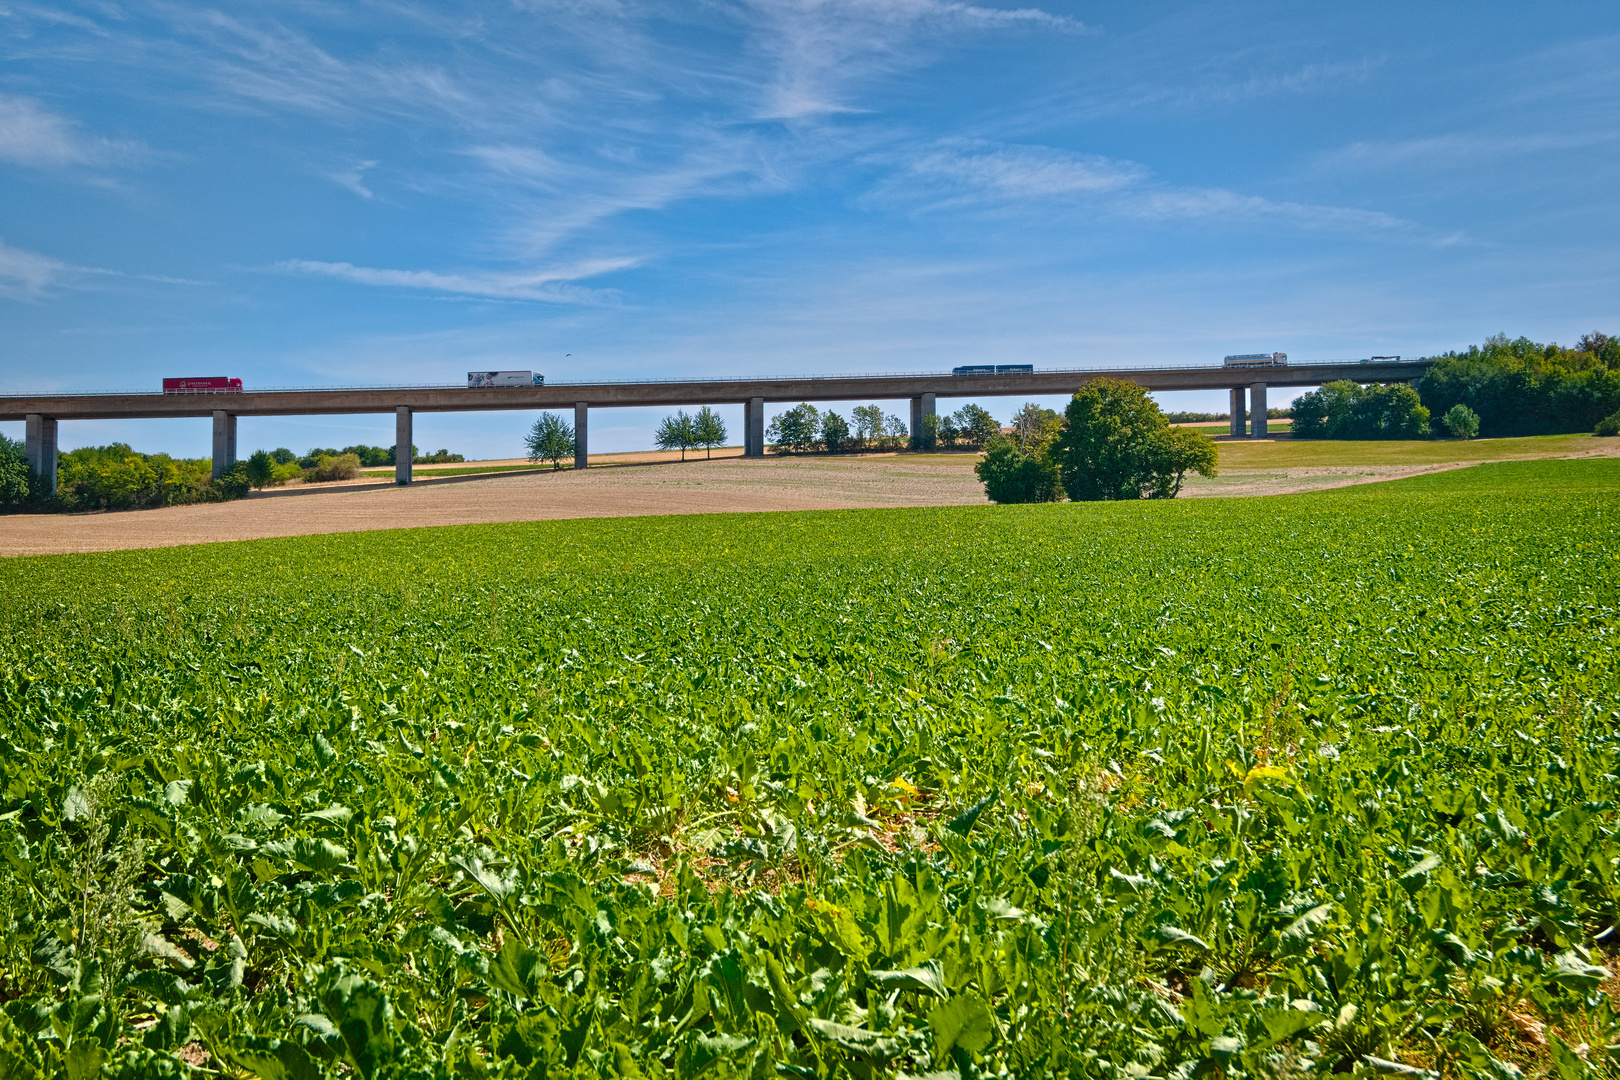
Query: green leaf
(517, 969)
(868, 1044)
(927, 977)
(1175, 935)
(498, 887)
(175, 792)
(1572, 970)
(963, 1021)
(1297, 933)
(964, 822)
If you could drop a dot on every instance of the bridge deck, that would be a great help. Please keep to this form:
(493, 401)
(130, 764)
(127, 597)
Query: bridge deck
(677, 392)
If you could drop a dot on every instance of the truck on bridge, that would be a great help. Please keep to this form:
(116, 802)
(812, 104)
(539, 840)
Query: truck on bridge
(1248, 360)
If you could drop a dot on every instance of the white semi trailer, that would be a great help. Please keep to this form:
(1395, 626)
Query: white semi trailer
(479, 380)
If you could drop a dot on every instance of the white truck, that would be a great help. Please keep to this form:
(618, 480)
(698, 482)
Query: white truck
(480, 380)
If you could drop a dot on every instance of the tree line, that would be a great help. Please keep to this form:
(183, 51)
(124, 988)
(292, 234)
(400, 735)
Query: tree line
(1500, 389)
(113, 477)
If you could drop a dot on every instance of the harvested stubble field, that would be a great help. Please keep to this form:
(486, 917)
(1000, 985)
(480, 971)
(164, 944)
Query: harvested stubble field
(1243, 788)
(633, 485)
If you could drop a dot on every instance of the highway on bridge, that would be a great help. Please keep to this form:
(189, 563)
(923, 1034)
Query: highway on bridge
(42, 412)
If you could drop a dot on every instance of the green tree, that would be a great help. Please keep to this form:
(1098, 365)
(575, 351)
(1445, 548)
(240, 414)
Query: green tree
(1034, 427)
(1114, 444)
(283, 456)
(975, 426)
(1461, 421)
(261, 469)
(1348, 410)
(894, 432)
(796, 430)
(13, 472)
(947, 432)
(550, 439)
(1180, 451)
(1608, 427)
(1010, 474)
(834, 432)
(708, 430)
(928, 436)
(1523, 387)
(678, 432)
(868, 425)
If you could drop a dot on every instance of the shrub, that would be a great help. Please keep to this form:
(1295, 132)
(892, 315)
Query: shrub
(233, 485)
(1461, 421)
(1116, 444)
(14, 484)
(1609, 426)
(1012, 476)
(261, 469)
(328, 467)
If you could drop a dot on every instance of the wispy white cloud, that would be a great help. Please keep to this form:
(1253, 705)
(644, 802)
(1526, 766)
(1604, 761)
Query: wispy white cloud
(818, 48)
(553, 285)
(353, 178)
(960, 174)
(1450, 150)
(32, 135)
(26, 275)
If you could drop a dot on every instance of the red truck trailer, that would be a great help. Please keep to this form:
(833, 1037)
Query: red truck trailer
(209, 384)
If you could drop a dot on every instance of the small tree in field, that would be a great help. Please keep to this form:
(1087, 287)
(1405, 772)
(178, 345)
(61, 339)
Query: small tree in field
(834, 432)
(975, 426)
(797, 430)
(261, 469)
(868, 425)
(1116, 444)
(678, 432)
(708, 430)
(1461, 421)
(551, 439)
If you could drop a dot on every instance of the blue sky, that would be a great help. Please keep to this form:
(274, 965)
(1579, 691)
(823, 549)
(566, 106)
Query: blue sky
(305, 193)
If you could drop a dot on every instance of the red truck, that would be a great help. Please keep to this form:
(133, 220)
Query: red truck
(212, 384)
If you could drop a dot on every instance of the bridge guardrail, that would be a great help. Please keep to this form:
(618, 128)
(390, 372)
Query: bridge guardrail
(147, 392)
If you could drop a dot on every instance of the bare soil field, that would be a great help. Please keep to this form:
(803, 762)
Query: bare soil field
(629, 485)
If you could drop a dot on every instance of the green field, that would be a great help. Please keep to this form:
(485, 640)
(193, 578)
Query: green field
(1293, 453)
(1256, 787)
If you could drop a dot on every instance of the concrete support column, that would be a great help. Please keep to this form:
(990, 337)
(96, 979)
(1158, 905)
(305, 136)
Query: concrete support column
(1257, 411)
(1239, 428)
(582, 455)
(754, 428)
(402, 445)
(224, 442)
(39, 445)
(922, 406)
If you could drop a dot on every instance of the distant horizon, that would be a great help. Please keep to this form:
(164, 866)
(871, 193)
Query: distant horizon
(349, 195)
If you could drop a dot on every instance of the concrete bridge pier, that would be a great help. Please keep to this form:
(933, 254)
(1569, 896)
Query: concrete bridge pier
(1257, 411)
(921, 406)
(1239, 428)
(224, 442)
(402, 445)
(582, 455)
(754, 427)
(39, 445)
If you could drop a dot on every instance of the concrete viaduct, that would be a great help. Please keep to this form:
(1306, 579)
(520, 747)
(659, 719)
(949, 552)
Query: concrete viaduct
(42, 412)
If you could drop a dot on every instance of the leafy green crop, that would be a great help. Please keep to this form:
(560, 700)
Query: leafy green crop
(1247, 787)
